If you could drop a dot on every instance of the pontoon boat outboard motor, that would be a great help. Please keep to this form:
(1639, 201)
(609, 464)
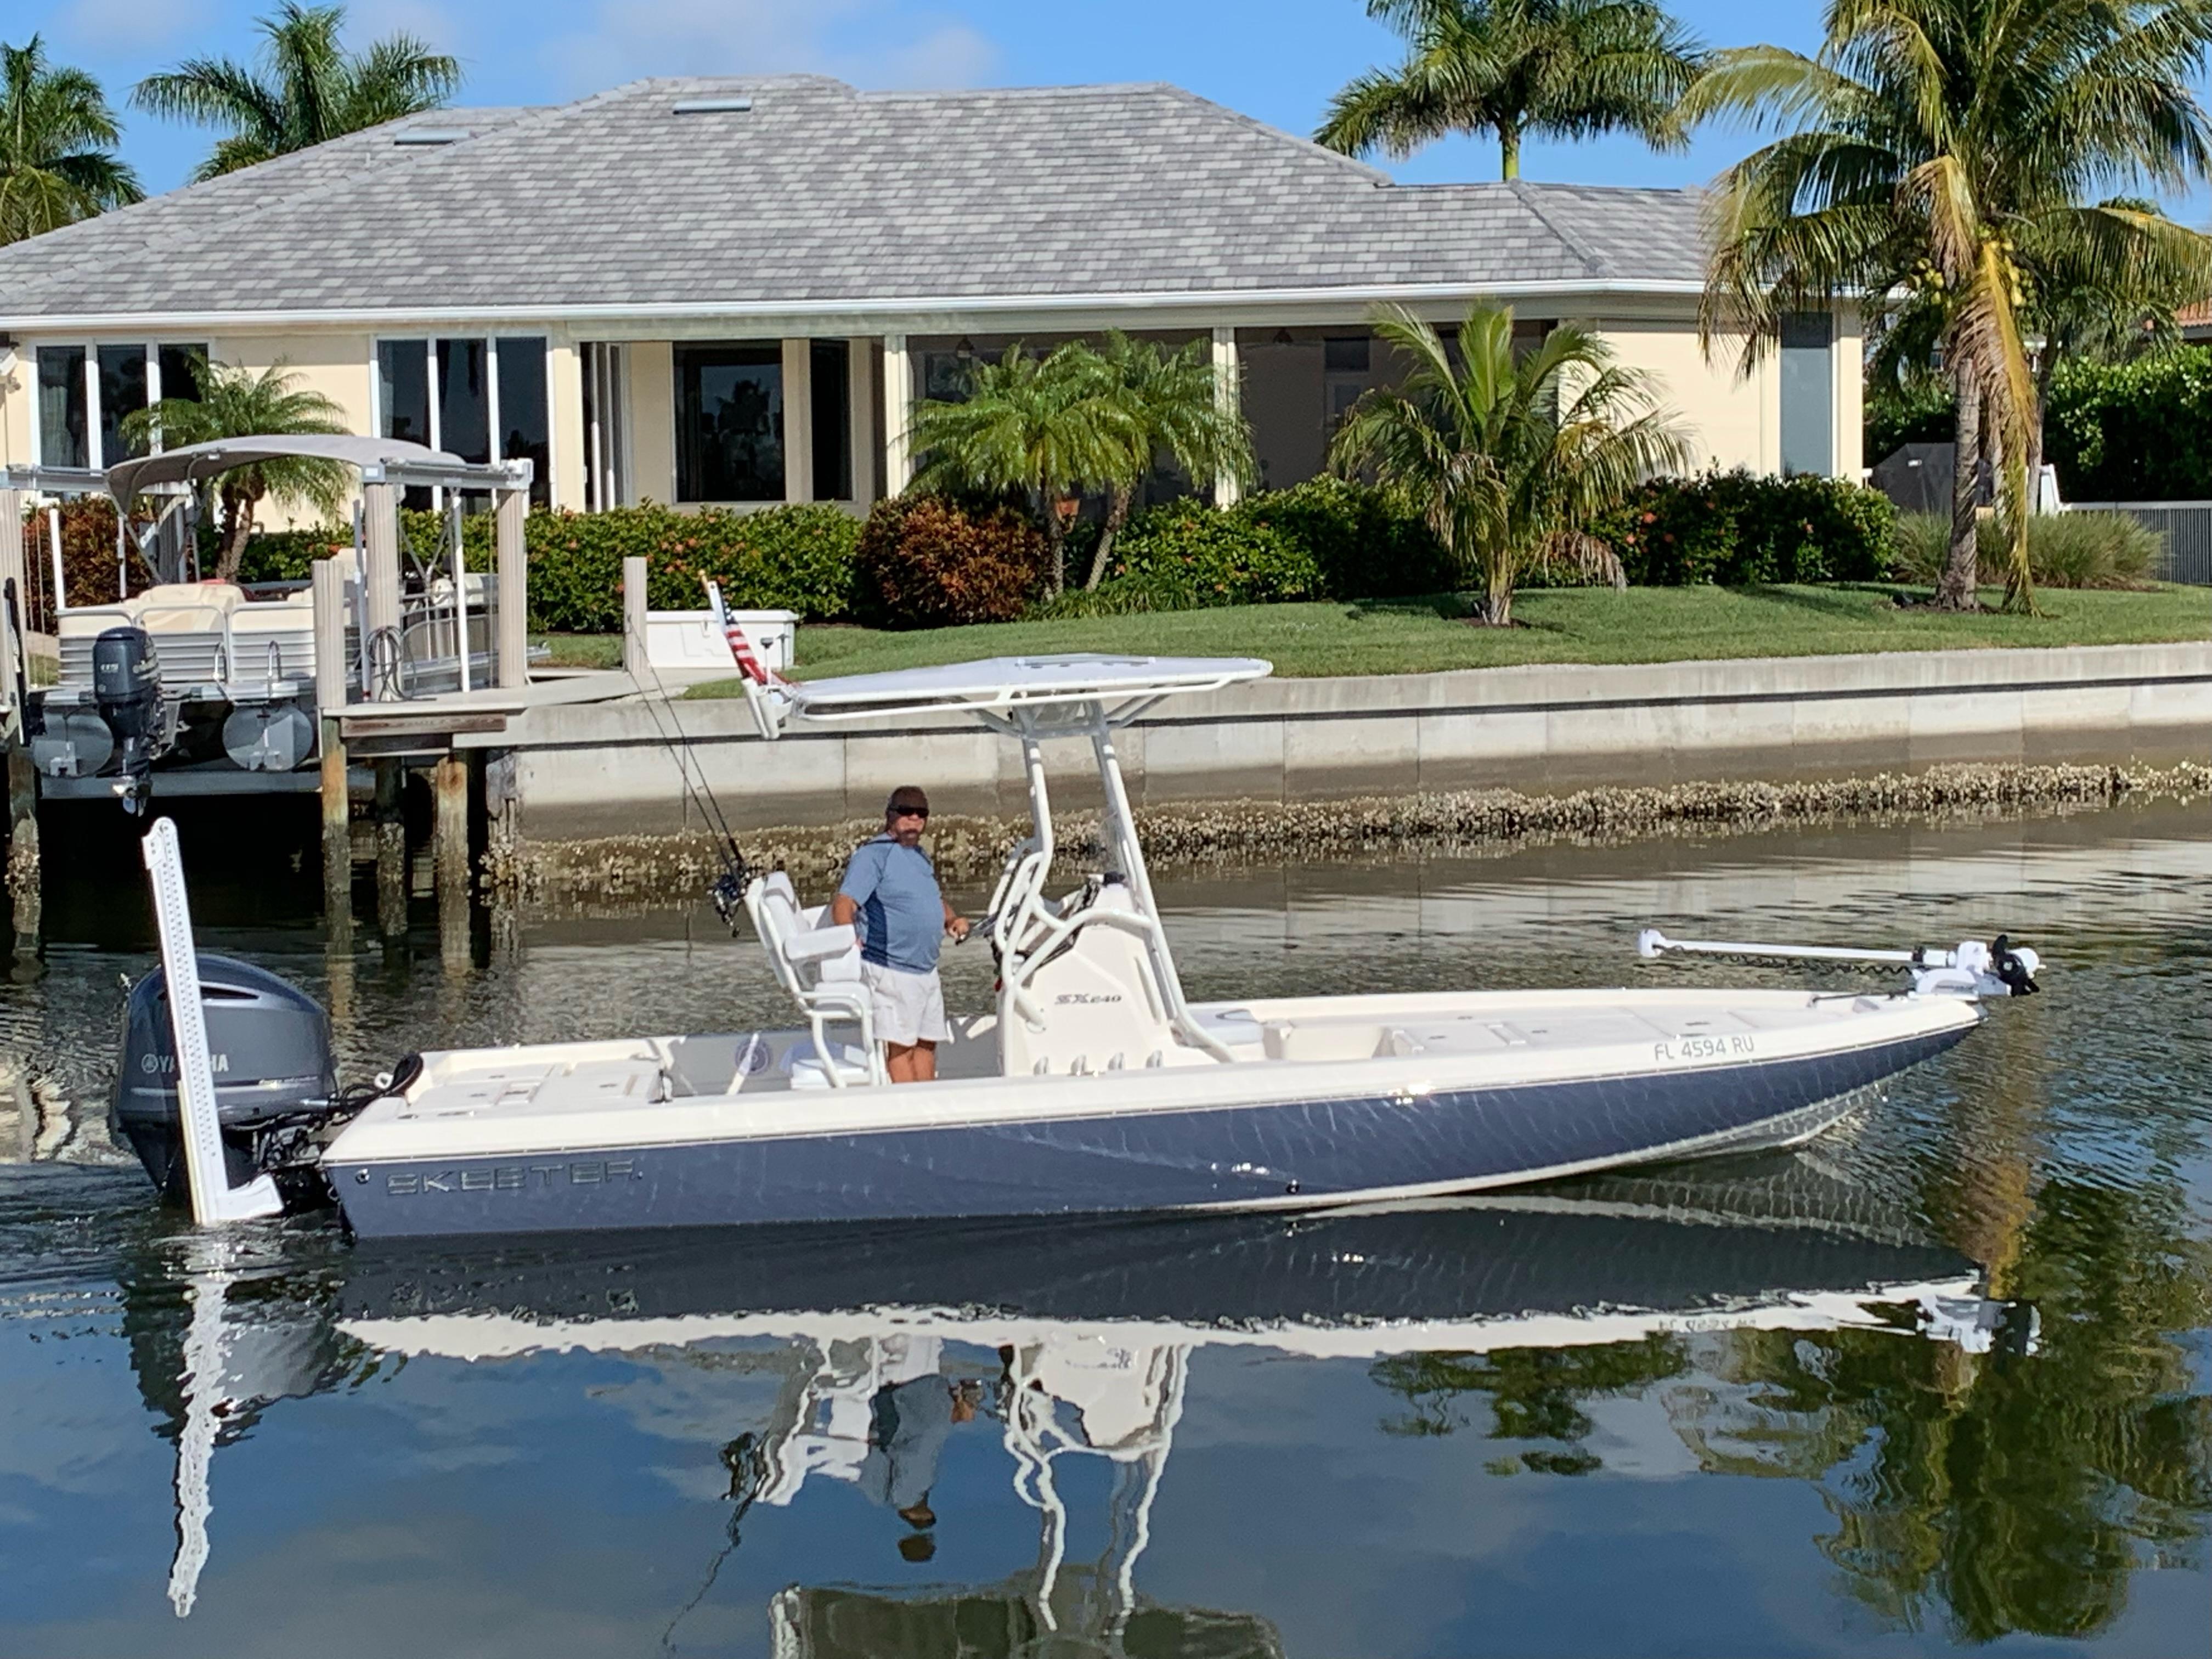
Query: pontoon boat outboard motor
(268, 1045)
(126, 688)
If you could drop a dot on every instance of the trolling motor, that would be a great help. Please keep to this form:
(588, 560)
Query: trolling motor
(126, 689)
(1970, 968)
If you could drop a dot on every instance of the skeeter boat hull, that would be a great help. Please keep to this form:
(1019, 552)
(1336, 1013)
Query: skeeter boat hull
(1375, 1142)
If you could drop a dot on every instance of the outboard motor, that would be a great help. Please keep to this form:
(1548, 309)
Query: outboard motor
(126, 688)
(276, 1084)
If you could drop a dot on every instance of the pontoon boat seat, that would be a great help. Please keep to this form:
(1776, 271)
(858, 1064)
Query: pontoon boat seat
(820, 966)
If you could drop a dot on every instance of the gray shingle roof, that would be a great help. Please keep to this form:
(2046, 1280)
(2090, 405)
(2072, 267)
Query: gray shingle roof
(822, 193)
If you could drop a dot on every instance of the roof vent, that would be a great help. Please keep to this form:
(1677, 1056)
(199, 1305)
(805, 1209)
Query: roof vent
(431, 134)
(711, 106)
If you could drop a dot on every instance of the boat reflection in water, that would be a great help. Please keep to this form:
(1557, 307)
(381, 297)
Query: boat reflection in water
(1071, 1341)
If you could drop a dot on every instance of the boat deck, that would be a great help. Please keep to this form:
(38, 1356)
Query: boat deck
(1537, 1033)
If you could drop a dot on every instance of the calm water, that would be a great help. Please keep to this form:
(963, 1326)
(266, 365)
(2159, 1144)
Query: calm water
(1944, 1378)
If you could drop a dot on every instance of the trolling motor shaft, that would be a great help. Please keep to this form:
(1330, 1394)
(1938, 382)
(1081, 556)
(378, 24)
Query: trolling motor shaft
(1970, 968)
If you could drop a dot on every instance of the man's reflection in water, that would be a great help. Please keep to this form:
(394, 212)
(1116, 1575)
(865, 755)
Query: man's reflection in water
(908, 1423)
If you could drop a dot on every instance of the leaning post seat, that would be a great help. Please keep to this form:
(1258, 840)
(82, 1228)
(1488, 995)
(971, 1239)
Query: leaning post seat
(820, 966)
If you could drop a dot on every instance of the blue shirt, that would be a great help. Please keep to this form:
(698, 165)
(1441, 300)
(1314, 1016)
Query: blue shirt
(902, 913)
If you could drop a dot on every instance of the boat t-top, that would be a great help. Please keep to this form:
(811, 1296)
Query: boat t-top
(1093, 1085)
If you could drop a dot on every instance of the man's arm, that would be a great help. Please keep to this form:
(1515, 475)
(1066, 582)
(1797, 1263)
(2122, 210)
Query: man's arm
(861, 875)
(954, 923)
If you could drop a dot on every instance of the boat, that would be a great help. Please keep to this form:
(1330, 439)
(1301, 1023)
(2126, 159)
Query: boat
(1094, 1086)
(188, 685)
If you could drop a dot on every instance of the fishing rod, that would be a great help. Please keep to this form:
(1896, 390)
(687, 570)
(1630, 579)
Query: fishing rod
(727, 890)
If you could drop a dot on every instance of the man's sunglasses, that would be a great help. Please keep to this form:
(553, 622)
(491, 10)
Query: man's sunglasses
(921, 812)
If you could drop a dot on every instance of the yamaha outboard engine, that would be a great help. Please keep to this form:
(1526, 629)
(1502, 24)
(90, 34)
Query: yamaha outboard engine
(126, 688)
(276, 1085)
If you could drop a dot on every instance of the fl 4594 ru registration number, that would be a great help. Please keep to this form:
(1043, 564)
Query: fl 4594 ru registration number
(1703, 1048)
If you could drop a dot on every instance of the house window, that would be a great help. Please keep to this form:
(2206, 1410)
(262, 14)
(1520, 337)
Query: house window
(63, 427)
(86, 391)
(178, 367)
(465, 399)
(829, 362)
(1808, 393)
(481, 400)
(525, 430)
(729, 422)
(948, 376)
(123, 376)
(1346, 355)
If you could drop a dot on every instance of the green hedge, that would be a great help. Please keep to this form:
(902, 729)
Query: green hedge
(1733, 529)
(1186, 556)
(781, 558)
(2133, 432)
(1324, 538)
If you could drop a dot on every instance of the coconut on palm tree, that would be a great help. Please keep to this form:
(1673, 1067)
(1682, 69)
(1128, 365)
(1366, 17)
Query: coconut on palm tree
(238, 402)
(1946, 150)
(308, 90)
(1176, 405)
(1047, 428)
(57, 163)
(1516, 69)
(1509, 457)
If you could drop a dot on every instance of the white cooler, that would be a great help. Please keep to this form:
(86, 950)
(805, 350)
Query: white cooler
(689, 640)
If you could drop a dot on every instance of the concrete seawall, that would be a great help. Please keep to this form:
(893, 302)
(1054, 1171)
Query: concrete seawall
(605, 769)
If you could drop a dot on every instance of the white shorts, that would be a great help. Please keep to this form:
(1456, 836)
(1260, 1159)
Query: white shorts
(909, 1008)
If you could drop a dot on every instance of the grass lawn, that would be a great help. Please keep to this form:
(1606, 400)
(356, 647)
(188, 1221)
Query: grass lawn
(580, 650)
(1590, 625)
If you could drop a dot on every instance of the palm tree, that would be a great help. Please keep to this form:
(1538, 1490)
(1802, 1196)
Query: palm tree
(1174, 404)
(237, 403)
(1049, 428)
(1944, 149)
(1509, 461)
(57, 133)
(314, 90)
(1557, 69)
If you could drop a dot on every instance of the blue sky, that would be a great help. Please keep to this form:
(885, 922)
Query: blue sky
(1276, 59)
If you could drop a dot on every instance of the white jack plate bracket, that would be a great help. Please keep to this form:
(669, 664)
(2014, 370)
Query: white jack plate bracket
(215, 1200)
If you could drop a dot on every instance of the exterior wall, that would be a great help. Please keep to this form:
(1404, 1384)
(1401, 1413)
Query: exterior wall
(335, 365)
(1851, 394)
(19, 394)
(565, 396)
(651, 406)
(1733, 420)
(1287, 391)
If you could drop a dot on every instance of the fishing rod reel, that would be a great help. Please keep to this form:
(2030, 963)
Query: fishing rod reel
(1971, 969)
(727, 892)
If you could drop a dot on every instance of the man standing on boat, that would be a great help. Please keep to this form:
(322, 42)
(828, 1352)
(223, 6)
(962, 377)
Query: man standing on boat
(891, 897)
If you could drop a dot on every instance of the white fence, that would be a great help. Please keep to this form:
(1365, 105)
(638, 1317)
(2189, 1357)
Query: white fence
(2185, 528)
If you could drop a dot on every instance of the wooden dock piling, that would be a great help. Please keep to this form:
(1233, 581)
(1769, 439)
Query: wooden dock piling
(633, 616)
(26, 882)
(449, 854)
(391, 848)
(331, 690)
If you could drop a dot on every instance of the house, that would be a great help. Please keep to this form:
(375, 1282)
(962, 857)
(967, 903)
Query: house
(728, 290)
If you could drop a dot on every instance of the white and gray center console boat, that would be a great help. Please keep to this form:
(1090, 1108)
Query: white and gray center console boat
(1094, 1084)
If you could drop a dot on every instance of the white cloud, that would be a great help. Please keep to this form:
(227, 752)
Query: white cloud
(867, 42)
